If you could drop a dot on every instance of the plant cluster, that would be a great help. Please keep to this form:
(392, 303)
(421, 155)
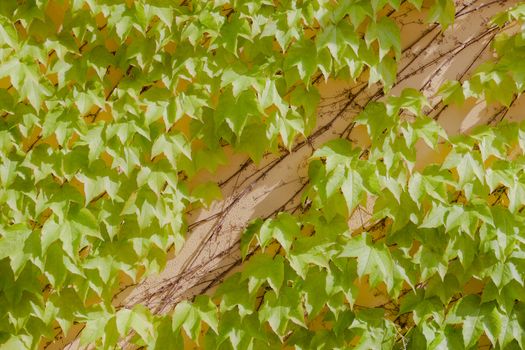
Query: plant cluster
(110, 107)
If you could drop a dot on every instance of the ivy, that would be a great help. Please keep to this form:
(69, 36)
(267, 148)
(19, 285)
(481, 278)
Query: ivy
(500, 79)
(110, 109)
(432, 231)
(438, 229)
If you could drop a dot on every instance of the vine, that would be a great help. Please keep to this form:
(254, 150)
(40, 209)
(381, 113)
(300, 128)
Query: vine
(110, 109)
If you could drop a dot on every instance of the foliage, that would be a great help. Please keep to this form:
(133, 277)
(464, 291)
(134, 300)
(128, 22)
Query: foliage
(435, 231)
(497, 80)
(110, 107)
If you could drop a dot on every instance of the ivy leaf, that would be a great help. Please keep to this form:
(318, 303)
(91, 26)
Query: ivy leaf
(335, 180)
(31, 88)
(95, 141)
(372, 259)
(411, 100)
(270, 96)
(511, 329)
(375, 118)
(468, 165)
(248, 235)
(262, 268)
(303, 55)
(240, 337)
(172, 146)
(338, 36)
(516, 196)
(387, 34)
(472, 315)
(234, 294)
(207, 311)
(442, 11)
(452, 92)
(316, 291)
(352, 188)
(94, 328)
(8, 35)
(239, 82)
(185, 317)
(166, 336)
(284, 228)
(315, 250)
(384, 71)
(279, 310)
(207, 192)
(12, 240)
(357, 11)
(503, 273)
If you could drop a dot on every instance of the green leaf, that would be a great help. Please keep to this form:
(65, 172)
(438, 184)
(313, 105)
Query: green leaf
(352, 188)
(452, 92)
(12, 245)
(207, 311)
(373, 259)
(95, 141)
(279, 310)
(411, 100)
(141, 323)
(357, 11)
(262, 268)
(375, 118)
(94, 328)
(234, 294)
(248, 235)
(443, 12)
(469, 311)
(207, 192)
(303, 55)
(468, 165)
(284, 228)
(123, 320)
(337, 37)
(316, 288)
(386, 33)
(186, 317)
(316, 250)
(512, 330)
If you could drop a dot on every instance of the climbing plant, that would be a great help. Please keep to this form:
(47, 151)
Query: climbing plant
(110, 108)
